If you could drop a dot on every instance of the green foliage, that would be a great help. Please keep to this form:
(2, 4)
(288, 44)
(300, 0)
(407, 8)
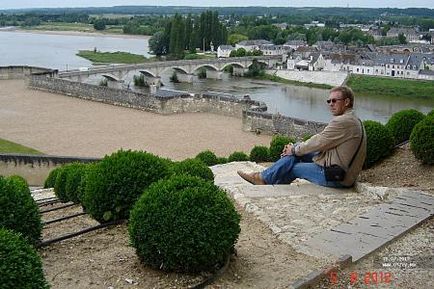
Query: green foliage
(18, 210)
(117, 181)
(379, 142)
(240, 52)
(74, 175)
(184, 224)
(20, 265)
(139, 80)
(99, 24)
(238, 157)
(430, 114)
(207, 157)
(51, 179)
(260, 154)
(111, 57)
(60, 183)
(222, 160)
(401, 124)
(193, 167)
(257, 69)
(422, 140)
(380, 86)
(277, 144)
(235, 38)
(174, 77)
(11, 147)
(202, 73)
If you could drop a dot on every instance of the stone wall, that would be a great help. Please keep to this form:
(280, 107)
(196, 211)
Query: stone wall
(34, 168)
(19, 72)
(225, 105)
(263, 122)
(253, 113)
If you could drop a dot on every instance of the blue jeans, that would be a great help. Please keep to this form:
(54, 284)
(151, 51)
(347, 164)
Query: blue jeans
(288, 168)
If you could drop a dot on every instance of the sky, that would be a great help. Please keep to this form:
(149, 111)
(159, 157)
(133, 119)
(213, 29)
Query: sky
(13, 4)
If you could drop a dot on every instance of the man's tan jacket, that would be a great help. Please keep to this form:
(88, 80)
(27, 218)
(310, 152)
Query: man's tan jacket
(337, 144)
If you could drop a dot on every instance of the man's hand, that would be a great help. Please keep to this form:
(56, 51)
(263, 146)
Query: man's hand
(287, 150)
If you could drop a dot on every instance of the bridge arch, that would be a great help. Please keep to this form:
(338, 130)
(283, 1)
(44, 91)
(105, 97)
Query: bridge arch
(110, 77)
(147, 73)
(212, 67)
(234, 64)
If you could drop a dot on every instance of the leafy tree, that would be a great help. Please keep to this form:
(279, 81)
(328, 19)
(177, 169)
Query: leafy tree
(99, 24)
(236, 37)
(157, 43)
(402, 39)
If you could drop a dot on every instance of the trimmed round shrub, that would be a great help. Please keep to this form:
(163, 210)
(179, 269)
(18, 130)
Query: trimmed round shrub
(422, 140)
(193, 167)
(260, 154)
(20, 265)
(238, 157)
(19, 184)
(277, 144)
(379, 142)
(60, 183)
(74, 174)
(222, 160)
(51, 179)
(116, 182)
(401, 124)
(184, 224)
(208, 157)
(18, 210)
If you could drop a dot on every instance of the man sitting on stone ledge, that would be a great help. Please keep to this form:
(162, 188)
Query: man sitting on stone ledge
(332, 158)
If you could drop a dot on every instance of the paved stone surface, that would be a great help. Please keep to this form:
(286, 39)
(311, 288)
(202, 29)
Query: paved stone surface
(324, 222)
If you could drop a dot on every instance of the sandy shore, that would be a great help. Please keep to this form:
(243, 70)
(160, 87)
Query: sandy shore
(79, 33)
(60, 125)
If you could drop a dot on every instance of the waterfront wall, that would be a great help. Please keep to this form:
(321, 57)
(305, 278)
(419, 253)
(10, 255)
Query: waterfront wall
(262, 122)
(34, 168)
(22, 71)
(180, 103)
(333, 78)
(253, 113)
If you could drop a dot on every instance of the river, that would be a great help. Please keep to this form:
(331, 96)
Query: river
(58, 51)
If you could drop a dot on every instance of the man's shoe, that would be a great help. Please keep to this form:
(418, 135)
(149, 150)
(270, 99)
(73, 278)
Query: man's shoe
(253, 178)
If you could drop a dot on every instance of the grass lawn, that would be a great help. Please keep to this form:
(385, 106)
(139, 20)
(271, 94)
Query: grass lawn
(61, 26)
(11, 147)
(381, 86)
(111, 57)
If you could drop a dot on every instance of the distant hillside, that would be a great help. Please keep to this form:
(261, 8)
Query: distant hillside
(359, 13)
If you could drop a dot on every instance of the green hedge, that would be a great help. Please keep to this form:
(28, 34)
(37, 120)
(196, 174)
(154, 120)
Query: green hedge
(184, 224)
(401, 124)
(277, 144)
(18, 210)
(73, 188)
(20, 264)
(422, 140)
(208, 157)
(260, 154)
(379, 142)
(50, 181)
(60, 183)
(116, 182)
(238, 157)
(193, 167)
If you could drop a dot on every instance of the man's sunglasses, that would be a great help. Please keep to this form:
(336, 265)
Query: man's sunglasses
(333, 100)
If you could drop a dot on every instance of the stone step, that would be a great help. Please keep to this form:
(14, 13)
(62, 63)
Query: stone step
(374, 229)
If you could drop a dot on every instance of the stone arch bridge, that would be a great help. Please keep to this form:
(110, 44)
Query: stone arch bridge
(185, 69)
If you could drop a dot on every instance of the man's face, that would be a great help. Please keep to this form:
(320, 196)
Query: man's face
(337, 104)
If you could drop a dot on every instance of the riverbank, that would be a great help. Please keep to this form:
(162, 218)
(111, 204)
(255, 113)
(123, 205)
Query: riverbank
(78, 33)
(98, 57)
(11, 147)
(382, 86)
